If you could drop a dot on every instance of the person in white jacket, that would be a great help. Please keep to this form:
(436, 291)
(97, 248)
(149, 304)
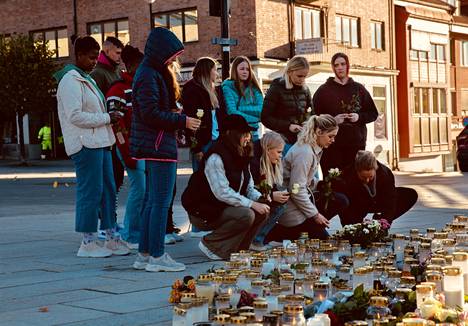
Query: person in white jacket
(88, 137)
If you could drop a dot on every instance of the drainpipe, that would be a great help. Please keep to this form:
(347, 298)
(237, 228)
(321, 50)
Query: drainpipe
(290, 28)
(75, 19)
(394, 111)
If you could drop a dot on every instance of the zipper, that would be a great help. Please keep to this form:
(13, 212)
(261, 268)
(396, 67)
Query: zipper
(158, 140)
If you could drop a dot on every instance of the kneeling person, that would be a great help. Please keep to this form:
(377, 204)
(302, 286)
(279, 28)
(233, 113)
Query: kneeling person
(370, 188)
(221, 196)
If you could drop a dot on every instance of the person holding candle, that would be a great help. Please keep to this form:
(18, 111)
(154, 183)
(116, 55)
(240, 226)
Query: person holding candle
(243, 94)
(221, 196)
(304, 212)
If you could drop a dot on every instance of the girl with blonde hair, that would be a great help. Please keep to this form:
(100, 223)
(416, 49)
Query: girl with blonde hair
(266, 168)
(288, 102)
(243, 94)
(306, 212)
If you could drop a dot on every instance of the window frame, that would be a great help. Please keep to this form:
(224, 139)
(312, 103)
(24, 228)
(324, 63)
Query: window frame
(350, 19)
(463, 53)
(55, 30)
(373, 27)
(310, 11)
(436, 58)
(116, 28)
(182, 11)
(384, 99)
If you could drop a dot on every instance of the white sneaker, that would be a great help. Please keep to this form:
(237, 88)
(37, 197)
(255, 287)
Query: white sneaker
(177, 237)
(130, 245)
(208, 252)
(93, 250)
(140, 262)
(164, 264)
(169, 239)
(274, 244)
(199, 234)
(117, 247)
(102, 235)
(259, 247)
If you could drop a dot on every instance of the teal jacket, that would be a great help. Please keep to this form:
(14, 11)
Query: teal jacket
(250, 106)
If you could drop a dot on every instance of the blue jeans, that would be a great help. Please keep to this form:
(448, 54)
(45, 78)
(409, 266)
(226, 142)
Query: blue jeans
(195, 167)
(95, 189)
(160, 181)
(270, 223)
(136, 196)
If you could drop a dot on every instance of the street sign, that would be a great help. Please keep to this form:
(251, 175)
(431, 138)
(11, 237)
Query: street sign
(309, 46)
(224, 41)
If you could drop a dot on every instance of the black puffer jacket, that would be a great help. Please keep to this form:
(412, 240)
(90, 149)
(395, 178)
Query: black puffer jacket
(283, 107)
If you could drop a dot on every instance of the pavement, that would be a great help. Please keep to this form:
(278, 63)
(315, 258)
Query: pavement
(42, 282)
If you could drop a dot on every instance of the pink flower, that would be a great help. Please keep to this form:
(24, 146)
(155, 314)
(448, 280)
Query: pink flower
(384, 224)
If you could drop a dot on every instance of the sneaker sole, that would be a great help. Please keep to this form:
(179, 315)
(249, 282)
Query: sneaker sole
(139, 266)
(158, 268)
(84, 255)
(121, 253)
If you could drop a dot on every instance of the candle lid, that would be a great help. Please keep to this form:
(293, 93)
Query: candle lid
(293, 308)
(408, 280)
(178, 310)
(423, 288)
(246, 309)
(205, 277)
(452, 271)
(379, 301)
(433, 276)
(460, 256)
(238, 320)
(403, 291)
(270, 318)
(287, 277)
(360, 254)
(394, 274)
(256, 263)
(430, 284)
(249, 315)
(277, 313)
(295, 298)
(260, 305)
(438, 261)
(440, 235)
(257, 283)
(320, 285)
(223, 298)
(222, 318)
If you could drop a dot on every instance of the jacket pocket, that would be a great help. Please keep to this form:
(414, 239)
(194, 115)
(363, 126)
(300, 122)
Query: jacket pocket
(158, 140)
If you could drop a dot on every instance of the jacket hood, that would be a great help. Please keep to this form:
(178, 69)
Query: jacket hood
(69, 67)
(331, 81)
(161, 46)
(106, 61)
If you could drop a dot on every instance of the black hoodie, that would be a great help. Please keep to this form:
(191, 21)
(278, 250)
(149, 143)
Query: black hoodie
(334, 98)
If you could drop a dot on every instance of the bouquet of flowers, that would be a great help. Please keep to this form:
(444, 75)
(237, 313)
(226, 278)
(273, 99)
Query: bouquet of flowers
(333, 174)
(364, 233)
(265, 189)
(187, 285)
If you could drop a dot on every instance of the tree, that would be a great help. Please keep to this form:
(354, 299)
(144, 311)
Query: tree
(26, 82)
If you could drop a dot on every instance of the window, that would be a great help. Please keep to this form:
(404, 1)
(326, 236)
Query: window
(307, 23)
(184, 23)
(464, 53)
(430, 119)
(116, 28)
(377, 35)
(437, 52)
(417, 54)
(347, 30)
(57, 41)
(380, 125)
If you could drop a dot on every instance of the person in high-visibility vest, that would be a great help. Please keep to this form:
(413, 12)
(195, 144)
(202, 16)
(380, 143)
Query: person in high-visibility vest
(45, 136)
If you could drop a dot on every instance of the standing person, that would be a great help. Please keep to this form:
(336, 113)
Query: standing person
(352, 106)
(370, 188)
(221, 197)
(288, 102)
(199, 93)
(106, 72)
(88, 136)
(304, 212)
(45, 136)
(155, 120)
(119, 97)
(267, 172)
(243, 94)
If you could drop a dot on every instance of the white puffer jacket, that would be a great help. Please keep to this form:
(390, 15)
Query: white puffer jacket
(82, 114)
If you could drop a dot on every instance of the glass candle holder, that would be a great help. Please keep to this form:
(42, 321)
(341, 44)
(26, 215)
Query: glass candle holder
(437, 240)
(257, 287)
(287, 280)
(430, 233)
(344, 272)
(378, 309)
(178, 316)
(393, 279)
(359, 276)
(222, 301)
(293, 315)
(424, 252)
(407, 282)
(423, 292)
(460, 259)
(359, 259)
(453, 291)
(436, 278)
(320, 291)
(260, 309)
(205, 288)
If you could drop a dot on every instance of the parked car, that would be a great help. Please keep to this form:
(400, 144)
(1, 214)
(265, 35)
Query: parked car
(462, 149)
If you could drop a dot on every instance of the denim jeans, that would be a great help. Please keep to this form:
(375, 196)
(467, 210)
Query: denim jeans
(270, 223)
(95, 189)
(136, 195)
(195, 167)
(160, 181)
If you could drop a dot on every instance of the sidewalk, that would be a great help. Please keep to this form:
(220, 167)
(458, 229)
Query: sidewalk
(42, 282)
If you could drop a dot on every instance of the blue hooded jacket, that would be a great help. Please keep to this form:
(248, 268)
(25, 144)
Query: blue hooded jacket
(154, 125)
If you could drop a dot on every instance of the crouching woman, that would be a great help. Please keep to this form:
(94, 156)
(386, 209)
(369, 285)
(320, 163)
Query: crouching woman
(220, 196)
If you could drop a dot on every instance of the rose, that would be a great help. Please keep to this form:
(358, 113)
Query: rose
(429, 310)
(384, 224)
(444, 314)
(295, 189)
(200, 113)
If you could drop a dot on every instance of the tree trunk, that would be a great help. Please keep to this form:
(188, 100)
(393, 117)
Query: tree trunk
(22, 156)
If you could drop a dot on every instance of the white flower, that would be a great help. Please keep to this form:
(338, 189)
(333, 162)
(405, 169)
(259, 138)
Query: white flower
(309, 109)
(334, 172)
(200, 113)
(366, 231)
(295, 188)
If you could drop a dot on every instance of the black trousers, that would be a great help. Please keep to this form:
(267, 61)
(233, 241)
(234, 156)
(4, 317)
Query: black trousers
(334, 207)
(338, 157)
(405, 199)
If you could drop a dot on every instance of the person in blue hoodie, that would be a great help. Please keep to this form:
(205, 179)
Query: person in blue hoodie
(155, 120)
(243, 94)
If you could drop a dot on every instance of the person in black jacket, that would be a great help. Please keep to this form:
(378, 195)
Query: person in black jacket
(200, 100)
(221, 196)
(288, 102)
(352, 106)
(370, 188)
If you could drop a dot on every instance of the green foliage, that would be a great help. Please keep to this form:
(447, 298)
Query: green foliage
(26, 82)
(355, 308)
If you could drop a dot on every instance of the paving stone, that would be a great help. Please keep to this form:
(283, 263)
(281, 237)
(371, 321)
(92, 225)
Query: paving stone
(157, 317)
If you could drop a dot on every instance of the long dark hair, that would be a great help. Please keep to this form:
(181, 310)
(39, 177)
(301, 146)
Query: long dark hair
(231, 138)
(202, 75)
